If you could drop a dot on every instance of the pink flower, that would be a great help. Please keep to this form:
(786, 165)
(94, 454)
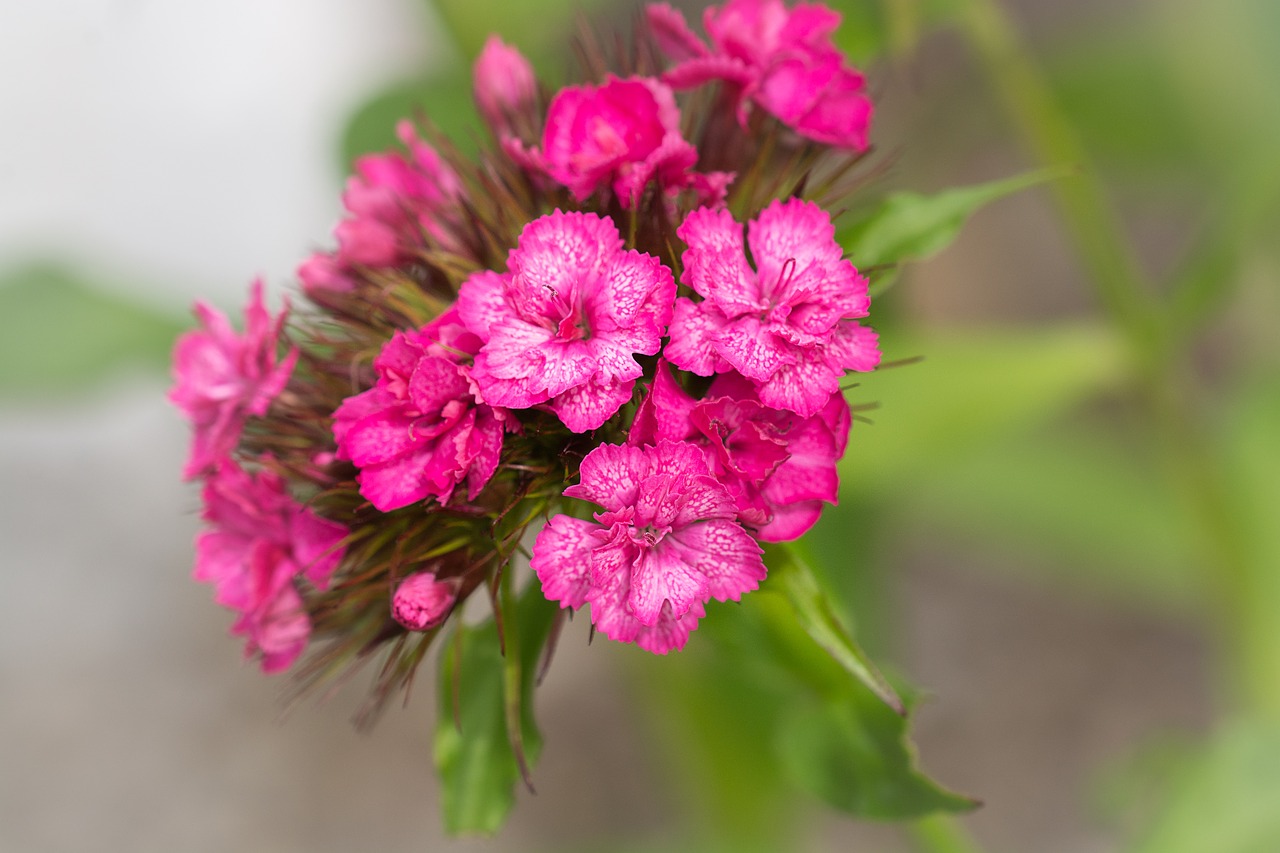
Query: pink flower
(665, 543)
(624, 133)
(779, 467)
(259, 541)
(505, 86)
(394, 202)
(781, 59)
(422, 601)
(420, 431)
(221, 378)
(787, 325)
(563, 324)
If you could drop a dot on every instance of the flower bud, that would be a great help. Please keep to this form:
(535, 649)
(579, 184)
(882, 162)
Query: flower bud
(422, 601)
(505, 85)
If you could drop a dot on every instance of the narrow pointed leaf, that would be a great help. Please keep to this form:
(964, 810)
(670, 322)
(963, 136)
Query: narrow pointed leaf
(908, 226)
(790, 570)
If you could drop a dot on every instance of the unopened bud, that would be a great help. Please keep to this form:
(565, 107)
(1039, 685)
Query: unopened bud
(505, 86)
(423, 601)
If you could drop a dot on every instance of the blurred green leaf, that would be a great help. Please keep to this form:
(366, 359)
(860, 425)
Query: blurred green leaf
(754, 703)
(58, 334)
(1088, 509)
(790, 570)
(540, 30)
(478, 769)
(443, 98)
(872, 30)
(863, 34)
(972, 389)
(908, 226)
(835, 738)
(1225, 799)
(853, 754)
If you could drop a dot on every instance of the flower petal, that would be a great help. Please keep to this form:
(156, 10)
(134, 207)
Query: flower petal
(562, 555)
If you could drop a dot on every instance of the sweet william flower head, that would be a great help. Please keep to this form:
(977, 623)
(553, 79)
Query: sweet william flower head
(621, 134)
(258, 541)
(779, 467)
(789, 324)
(665, 542)
(563, 325)
(420, 431)
(780, 58)
(393, 201)
(221, 378)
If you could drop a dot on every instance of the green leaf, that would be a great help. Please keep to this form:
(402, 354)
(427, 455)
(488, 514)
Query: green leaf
(728, 706)
(790, 570)
(60, 335)
(870, 30)
(443, 98)
(853, 754)
(972, 389)
(540, 30)
(908, 226)
(1225, 799)
(835, 737)
(474, 756)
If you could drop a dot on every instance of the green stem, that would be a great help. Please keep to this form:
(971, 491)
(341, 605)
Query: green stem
(941, 834)
(1081, 201)
(1148, 326)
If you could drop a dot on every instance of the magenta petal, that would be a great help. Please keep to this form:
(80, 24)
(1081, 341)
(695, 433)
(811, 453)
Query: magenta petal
(662, 577)
(317, 546)
(481, 304)
(395, 483)
(721, 551)
(788, 522)
(484, 447)
(694, 330)
(610, 476)
(792, 231)
(664, 413)
(552, 254)
(380, 438)
(588, 406)
(672, 32)
(854, 347)
(704, 69)
(714, 264)
(562, 554)
(803, 387)
(751, 348)
(638, 285)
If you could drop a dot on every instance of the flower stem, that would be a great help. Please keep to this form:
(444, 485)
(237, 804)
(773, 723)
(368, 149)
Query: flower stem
(1149, 326)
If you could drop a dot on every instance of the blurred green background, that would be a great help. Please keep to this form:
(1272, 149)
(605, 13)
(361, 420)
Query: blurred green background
(1061, 525)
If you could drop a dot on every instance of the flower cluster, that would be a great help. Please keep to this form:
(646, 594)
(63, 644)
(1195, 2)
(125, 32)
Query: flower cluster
(619, 333)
